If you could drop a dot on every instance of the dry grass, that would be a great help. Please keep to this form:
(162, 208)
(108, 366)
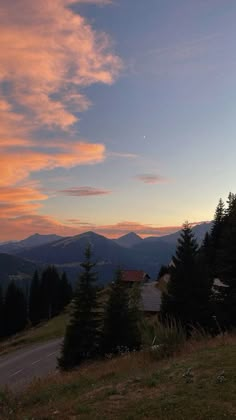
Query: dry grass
(135, 386)
(54, 328)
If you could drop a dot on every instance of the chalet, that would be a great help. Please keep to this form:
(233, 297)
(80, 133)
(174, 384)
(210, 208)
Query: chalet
(151, 298)
(135, 276)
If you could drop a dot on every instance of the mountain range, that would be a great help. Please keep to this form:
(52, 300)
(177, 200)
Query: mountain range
(129, 252)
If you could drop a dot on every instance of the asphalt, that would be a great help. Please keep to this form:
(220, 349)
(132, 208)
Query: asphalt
(18, 369)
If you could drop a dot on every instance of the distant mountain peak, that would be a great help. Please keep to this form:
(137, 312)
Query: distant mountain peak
(129, 240)
(131, 235)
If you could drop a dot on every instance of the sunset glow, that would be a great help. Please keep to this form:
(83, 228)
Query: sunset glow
(115, 117)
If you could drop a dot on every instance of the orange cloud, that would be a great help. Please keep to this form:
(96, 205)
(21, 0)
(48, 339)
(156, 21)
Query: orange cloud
(20, 194)
(122, 228)
(26, 225)
(46, 50)
(84, 191)
(49, 54)
(16, 201)
(17, 165)
(152, 179)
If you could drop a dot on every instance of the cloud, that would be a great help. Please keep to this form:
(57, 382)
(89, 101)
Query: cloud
(84, 191)
(48, 53)
(17, 165)
(122, 155)
(186, 58)
(22, 200)
(122, 228)
(152, 179)
(27, 224)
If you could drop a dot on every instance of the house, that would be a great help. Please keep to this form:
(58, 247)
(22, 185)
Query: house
(150, 294)
(150, 298)
(134, 276)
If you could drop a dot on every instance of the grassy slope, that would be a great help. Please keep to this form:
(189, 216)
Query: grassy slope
(54, 328)
(47, 331)
(136, 387)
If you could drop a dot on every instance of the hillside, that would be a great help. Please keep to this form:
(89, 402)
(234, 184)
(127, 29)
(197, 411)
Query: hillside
(129, 252)
(136, 386)
(31, 241)
(68, 253)
(15, 268)
(199, 232)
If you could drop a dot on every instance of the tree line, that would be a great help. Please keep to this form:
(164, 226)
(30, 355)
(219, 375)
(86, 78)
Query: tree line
(48, 296)
(201, 291)
(99, 328)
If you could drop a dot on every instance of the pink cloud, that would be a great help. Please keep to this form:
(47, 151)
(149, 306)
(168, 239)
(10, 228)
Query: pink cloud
(152, 179)
(48, 49)
(27, 224)
(84, 191)
(122, 228)
(17, 165)
(49, 54)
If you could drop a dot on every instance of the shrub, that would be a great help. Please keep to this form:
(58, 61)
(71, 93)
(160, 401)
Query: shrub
(163, 340)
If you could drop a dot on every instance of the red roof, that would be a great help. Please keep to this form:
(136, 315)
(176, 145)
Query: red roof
(133, 275)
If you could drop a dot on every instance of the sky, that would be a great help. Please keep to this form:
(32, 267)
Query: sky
(116, 116)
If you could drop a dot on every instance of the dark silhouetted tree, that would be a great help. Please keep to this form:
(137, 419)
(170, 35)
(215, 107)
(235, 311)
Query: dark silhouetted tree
(81, 341)
(188, 290)
(1, 314)
(15, 310)
(226, 296)
(163, 270)
(120, 319)
(50, 293)
(66, 292)
(35, 300)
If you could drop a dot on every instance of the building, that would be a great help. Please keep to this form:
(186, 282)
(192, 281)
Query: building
(135, 276)
(150, 298)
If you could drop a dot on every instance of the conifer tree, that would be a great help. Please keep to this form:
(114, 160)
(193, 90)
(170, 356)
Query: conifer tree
(230, 203)
(50, 293)
(120, 320)
(81, 341)
(65, 292)
(15, 310)
(188, 290)
(213, 246)
(227, 273)
(35, 300)
(163, 270)
(1, 314)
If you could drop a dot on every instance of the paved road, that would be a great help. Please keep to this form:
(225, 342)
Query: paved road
(21, 367)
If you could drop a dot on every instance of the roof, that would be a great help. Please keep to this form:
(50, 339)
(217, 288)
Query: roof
(134, 276)
(151, 297)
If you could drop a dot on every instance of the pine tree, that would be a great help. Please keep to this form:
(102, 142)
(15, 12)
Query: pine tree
(230, 202)
(66, 292)
(81, 341)
(227, 273)
(120, 320)
(188, 290)
(213, 247)
(1, 314)
(163, 270)
(35, 300)
(50, 293)
(15, 310)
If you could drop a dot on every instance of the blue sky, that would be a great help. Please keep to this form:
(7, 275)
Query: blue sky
(165, 118)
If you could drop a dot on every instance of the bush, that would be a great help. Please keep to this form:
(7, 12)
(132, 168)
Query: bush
(163, 340)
